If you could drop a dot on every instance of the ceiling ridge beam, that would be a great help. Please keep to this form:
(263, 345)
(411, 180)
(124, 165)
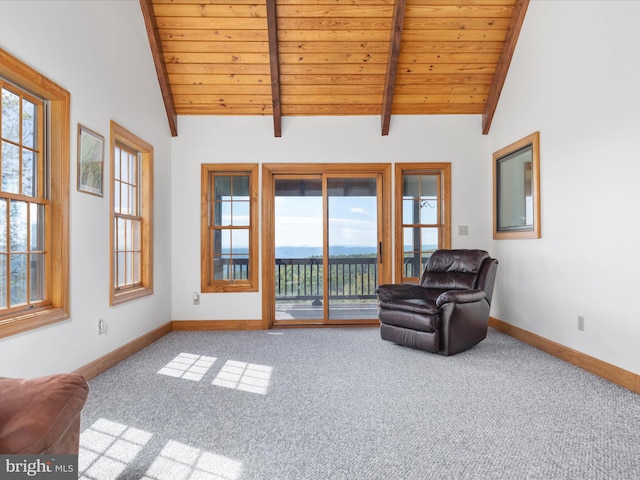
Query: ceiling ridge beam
(158, 59)
(502, 67)
(392, 64)
(272, 27)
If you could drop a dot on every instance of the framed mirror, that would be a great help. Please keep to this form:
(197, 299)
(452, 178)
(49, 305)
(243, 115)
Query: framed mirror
(516, 189)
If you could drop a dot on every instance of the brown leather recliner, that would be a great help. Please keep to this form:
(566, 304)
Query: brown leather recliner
(41, 415)
(448, 312)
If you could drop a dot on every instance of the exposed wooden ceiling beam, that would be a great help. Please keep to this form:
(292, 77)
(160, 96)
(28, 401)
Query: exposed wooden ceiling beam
(272, 27)
(158, 60)
(508, 47)
(392, 64)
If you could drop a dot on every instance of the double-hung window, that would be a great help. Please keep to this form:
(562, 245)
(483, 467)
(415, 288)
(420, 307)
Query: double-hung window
(131, 184)
(423, 216)
(23, 202)
(34, 199)
(229, 228)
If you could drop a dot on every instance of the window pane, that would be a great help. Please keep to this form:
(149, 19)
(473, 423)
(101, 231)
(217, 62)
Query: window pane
(3, 281)
(221, 241)
(29, 173)
(3, 225)
(222, 213)
(10, 168)
(29, 124)
(412, 266)
(221, 267)
(128, 240)
(239, 242)
(10, 116)
(116, 164)
(410, 185)
(120, 234)
(137, 267)
(240, 214)
(411, 239)
(222, 187)
(429, 239)
(241, 267)
(18, 279)
(133, 201)
(124, 166)
(124, 199)
(128, 268)
(36, 219)
(410, 210)
(428, 210)
(18, 226)
(241, 187)
(37, 277)
(137, 237)
(120, 268)
(133, 169)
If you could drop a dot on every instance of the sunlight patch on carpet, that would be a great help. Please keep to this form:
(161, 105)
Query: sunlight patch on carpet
(248, 377)
(178, 461)
(188, 366)
(106, 448)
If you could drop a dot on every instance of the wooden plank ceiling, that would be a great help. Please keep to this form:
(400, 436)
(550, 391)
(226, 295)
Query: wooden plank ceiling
(332, 57)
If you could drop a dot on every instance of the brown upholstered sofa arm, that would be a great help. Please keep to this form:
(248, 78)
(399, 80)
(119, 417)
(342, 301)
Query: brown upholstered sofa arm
(41, 415)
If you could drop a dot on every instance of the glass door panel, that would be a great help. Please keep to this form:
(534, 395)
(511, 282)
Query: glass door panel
(298, 224)
(353, 242)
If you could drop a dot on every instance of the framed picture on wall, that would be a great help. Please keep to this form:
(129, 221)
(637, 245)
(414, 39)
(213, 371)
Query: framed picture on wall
(90, 161)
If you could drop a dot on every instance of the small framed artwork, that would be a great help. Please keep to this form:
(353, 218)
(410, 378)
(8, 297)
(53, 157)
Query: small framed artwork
(90, 161)
(516, 191)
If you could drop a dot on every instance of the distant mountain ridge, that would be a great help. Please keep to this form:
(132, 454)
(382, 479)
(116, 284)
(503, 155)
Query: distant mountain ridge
(338, 250)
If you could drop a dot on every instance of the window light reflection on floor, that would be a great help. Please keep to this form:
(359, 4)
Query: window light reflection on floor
(180, 461)
(247, 377)
(107, 447)
(188, 366)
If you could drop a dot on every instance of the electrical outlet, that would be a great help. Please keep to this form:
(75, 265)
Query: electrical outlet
(102, 327)
(196, 298)
(463, 229)
(581, 323)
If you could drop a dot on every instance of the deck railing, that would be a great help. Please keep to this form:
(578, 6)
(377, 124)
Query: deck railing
(302, 278)
(349, 278)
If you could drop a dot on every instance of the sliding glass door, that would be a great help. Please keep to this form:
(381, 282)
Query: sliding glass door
(326, 246)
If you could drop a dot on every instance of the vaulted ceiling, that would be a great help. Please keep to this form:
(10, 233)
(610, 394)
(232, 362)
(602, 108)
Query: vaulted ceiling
(332, 57)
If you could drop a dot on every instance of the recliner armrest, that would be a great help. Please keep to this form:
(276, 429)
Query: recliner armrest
(391, 291)
(460, 296)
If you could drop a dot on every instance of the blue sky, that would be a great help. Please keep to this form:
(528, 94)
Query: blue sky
(352, 221)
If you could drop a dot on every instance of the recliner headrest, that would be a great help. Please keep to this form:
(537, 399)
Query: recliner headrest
(462, 261)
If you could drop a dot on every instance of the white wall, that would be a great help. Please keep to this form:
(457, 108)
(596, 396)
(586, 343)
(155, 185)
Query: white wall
(455, 139)
(99, 52)
(574, 78)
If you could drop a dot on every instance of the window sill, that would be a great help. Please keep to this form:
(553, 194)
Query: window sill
(229, 288)
(32, 320)
(128, 295)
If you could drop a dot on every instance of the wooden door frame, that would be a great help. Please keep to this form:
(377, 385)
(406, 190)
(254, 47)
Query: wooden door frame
(269, 171)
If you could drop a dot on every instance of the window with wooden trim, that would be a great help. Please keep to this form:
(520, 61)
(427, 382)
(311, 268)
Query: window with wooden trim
(131, 212)
(34, 199)
(423, 216)
(229, 240)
